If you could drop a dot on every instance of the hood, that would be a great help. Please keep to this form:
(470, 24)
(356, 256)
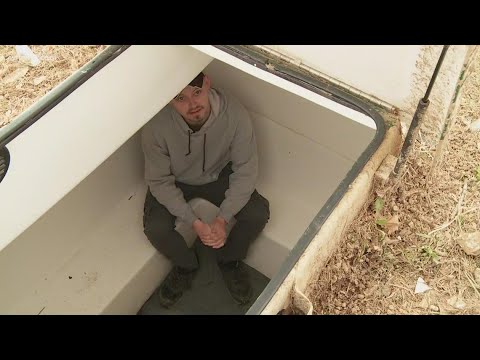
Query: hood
(218, 106)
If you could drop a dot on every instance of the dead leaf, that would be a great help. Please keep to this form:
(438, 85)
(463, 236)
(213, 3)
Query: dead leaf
(16, 75)
(425, 303)
(26, 55)
(477, 275)
(380, 192)
(391, 241)
(39, 80)
(475, 125)
(392, 224)
(456, 302)
(379, 205)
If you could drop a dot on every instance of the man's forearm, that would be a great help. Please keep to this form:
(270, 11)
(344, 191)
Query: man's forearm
(242, 185)
(172, 198)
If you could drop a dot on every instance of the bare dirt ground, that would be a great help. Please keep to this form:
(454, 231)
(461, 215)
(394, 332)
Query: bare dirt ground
(409, 231)
(21, 84)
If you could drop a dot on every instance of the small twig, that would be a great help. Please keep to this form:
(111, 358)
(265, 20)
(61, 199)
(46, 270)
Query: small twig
(412, 192)
(408, 183)
(450, 222)
(429, 199)
(459, 223)
(420, 137)
(41, 310)
(470, 210)
(404, 288)
(423, 235)
(440, 228)
(413, 169)
(473, 285)
(391, 295)
(460, 200)
(458, 209)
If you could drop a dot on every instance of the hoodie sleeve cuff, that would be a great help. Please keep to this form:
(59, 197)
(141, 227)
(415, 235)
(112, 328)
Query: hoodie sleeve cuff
(226, 215)
(190, 216)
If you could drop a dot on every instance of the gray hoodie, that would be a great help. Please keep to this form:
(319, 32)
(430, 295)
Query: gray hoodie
(173, 152)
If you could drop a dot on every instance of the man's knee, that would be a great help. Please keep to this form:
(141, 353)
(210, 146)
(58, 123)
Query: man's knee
(262, 214)
(157, 224)
(257, 211)
(156, 229)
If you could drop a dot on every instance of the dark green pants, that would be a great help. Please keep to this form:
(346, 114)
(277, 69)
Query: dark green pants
(159, 224)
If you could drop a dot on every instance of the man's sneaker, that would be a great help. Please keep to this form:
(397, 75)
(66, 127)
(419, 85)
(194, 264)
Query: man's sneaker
(237, 281)
(173, 287)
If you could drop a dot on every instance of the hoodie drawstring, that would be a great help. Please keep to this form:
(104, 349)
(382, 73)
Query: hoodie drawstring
(204, 145)
(189, 151)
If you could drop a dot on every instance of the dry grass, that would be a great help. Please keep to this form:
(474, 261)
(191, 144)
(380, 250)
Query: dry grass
(57, 63)
(376, 268)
